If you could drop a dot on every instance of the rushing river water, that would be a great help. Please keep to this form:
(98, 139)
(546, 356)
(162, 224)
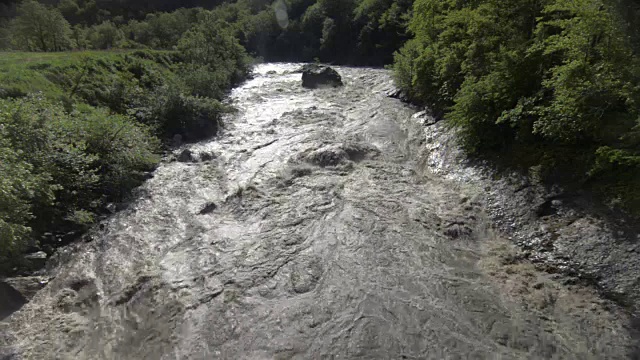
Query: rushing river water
(310, 229)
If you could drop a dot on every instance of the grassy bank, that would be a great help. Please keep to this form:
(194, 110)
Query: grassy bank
(20, 72)
(80, 130)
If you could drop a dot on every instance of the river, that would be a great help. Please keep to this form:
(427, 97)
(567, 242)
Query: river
(311, 228)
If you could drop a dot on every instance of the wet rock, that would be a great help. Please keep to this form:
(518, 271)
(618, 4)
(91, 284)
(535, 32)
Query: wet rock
(206, 156)
(17, 291)
(271, 72)
(457, 230)
(300, 171)
(186, 155)
(314, 76)
(202, 127)
(37, 260)
(358, 152)
(189, 156)
(399, 94)
(111, 207)
(130, 290)
(425, 118)
(546, 208)
(28, 286)
(208, 209)
(328, 156)
(339, 154)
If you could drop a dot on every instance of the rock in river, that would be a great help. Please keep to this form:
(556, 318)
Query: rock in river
(37, 260)
(314, 76)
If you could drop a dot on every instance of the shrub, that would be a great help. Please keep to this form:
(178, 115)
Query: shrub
(211, 47)
(105, 36)
(124, 149)
(61, 167)
(173, 112)
(18, 187)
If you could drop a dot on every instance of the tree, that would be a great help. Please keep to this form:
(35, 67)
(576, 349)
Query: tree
(5, 35)
(39, 28)
(211, 43)
(79, 35)
(105, 36)
(383, 29)
(70, 10)
(541, 82)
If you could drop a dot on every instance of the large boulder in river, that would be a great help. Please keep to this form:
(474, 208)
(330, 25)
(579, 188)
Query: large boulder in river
(314, 76)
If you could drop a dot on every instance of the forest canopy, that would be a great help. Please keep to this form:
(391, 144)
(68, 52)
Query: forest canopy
(359, 31)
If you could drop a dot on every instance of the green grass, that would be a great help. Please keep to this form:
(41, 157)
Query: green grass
(26, 59)
(22, 73)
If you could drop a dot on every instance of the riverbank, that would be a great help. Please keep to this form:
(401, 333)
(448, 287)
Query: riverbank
(80, 130)
(310, 228)
(559, 231)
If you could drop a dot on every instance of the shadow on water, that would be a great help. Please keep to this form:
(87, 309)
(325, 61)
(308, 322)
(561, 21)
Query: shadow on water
(10, 300)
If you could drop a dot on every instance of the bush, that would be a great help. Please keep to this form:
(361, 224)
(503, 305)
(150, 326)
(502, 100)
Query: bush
(194, 117)
(18, 187)
(119, 83)
(211, 47)
(124, 149)
(557, 79)
(105, 36)
(59, 168)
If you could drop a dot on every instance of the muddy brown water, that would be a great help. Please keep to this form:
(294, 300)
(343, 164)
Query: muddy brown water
(312, 228)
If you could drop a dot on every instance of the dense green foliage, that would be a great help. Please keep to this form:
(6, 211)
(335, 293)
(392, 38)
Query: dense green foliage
(362, 32)
(344, 31)
(80, 130)
(39, 28)
(65, 164)
(553, 83)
